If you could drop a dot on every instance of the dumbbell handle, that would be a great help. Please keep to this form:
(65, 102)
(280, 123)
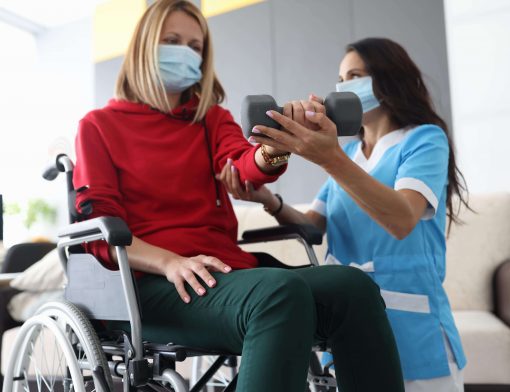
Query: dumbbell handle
(344, 109)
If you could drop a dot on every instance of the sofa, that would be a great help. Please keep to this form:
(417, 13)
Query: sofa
(477, 282)
(478, 285)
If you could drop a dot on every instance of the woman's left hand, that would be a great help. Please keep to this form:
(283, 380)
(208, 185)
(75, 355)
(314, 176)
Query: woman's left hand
(319, 146)
(229, 176)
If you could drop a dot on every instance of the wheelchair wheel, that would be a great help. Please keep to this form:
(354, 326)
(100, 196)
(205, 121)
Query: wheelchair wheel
(57, 350)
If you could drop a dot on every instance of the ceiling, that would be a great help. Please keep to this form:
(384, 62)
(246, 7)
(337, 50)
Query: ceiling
(38, 15)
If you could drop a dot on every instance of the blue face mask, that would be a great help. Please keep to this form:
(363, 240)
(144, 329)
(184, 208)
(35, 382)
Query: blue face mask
(362, 87)
(179, 67)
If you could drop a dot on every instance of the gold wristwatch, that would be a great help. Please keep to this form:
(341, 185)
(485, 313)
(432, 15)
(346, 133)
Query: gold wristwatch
(276, 160)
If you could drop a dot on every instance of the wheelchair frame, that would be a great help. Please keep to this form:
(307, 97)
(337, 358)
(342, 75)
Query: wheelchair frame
(134, 366)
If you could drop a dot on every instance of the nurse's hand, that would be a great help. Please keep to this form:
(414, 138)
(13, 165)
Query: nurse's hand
(229, 176)
(296, 111)
(318, 144)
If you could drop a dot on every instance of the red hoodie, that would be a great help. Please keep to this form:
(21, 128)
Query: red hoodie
(154, 171)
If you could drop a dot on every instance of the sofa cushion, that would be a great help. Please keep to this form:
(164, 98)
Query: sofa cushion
(46, 274)
(486, 342)
(474, 250)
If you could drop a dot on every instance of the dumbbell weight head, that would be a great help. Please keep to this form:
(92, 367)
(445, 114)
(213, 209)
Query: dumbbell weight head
(344, 109)
(253, 112)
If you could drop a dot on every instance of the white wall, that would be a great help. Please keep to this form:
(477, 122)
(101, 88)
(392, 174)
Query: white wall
(47, 86)
(479, 65)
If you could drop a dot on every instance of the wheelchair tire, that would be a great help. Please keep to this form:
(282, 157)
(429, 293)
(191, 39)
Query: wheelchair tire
(75, 352)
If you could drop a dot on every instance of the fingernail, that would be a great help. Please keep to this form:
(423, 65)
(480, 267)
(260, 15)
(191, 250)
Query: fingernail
(255, 130)
(227, 268)
(233, 168)
(212, 282)
(309, 113)
(251, 139)
(229, 161)
(201, 291)
(187, 299)
(269, 113)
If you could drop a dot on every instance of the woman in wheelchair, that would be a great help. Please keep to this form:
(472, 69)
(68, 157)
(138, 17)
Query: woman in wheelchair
(150, 157)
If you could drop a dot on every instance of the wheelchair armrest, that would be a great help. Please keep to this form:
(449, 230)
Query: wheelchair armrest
(114, 230)
(309, 233)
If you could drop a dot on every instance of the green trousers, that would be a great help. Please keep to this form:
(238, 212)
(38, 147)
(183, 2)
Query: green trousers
(273, 317)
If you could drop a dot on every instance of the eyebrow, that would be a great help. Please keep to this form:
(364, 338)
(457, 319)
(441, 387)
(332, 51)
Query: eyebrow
(349, 72)
(355, 70)
(193, 40)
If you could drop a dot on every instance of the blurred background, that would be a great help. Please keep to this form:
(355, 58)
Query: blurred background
(59, 59)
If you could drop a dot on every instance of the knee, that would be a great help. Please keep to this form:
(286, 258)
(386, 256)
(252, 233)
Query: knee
(288, 286)
(284, 292)
(353, 285)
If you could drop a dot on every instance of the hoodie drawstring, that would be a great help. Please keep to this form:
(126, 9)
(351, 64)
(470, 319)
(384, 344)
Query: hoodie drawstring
(211, 164)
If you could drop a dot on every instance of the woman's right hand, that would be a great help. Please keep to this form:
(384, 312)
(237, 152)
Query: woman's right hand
(229, 176)
(186, 270)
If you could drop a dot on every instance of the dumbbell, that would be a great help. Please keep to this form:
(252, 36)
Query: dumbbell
(344, 109)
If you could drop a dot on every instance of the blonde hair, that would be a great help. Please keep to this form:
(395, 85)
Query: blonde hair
(139, 79)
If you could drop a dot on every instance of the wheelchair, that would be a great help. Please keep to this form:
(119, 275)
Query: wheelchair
(84, 355)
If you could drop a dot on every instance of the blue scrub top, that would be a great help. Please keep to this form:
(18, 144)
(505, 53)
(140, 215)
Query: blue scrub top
(410, 272)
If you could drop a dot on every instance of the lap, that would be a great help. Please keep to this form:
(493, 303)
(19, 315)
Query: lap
(217, 320)
(224, 308)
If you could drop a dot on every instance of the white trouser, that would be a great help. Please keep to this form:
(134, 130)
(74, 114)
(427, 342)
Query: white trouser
(452, 383)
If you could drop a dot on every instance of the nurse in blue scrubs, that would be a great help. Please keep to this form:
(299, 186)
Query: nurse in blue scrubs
(387, 202)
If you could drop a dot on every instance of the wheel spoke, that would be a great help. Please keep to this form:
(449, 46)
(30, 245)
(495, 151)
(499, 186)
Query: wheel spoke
(39, 377)
(47, 360)
(53, 361)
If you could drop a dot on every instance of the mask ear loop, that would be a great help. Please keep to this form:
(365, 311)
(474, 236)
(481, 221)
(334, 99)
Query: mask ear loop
(211, 163)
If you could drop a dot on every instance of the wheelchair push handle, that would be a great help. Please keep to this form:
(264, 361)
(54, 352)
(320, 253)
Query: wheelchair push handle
(62, 164)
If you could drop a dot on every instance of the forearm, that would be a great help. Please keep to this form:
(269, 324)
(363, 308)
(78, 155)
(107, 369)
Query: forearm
(176, 269)
(388, 207)
(289, 215)
(146, 257)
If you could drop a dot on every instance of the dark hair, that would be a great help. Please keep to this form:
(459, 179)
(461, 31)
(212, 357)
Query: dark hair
(399, 85)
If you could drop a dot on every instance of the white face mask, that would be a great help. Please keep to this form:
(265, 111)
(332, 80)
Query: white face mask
(179, 67)
(362, 87)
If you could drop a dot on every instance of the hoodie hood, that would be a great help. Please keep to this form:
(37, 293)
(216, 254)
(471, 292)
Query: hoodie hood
(184, 112)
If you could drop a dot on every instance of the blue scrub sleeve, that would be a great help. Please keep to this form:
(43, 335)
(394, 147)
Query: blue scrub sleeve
(320, 201)
(424, 165)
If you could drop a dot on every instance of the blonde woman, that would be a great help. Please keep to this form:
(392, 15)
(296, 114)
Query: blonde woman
(150, 157)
